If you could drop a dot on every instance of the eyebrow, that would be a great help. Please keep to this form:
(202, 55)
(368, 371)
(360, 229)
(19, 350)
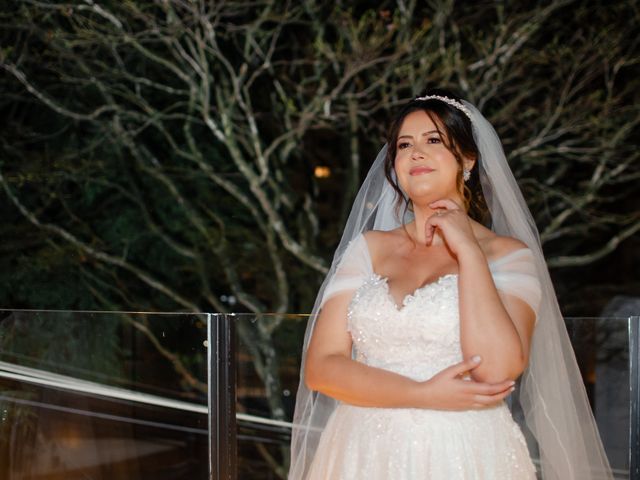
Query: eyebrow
(411, 136)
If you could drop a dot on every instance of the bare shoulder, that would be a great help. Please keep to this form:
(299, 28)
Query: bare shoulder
(380, 242)
(499, 246)
(375, 239)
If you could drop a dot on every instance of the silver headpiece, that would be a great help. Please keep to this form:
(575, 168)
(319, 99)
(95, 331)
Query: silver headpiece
(450, 101)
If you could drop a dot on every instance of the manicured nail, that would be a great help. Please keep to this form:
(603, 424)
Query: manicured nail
(512, 382)
(475, 358)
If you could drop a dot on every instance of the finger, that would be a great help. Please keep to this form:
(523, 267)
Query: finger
(491, 399)
(430, 228)
(446, 203)
(434, 220)
(480, 388)
(482, 406)
(430, 225)
(495, 400)
(491, 389)
(465, 365)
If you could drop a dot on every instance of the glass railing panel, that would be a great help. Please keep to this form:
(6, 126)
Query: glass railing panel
(267, 369)
(103, 395)
(602, 347)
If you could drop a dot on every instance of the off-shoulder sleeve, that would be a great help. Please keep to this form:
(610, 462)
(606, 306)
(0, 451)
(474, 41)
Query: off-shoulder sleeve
(515, 274)
(352, 270)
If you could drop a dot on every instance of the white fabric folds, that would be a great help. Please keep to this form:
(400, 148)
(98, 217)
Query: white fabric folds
(353, 269)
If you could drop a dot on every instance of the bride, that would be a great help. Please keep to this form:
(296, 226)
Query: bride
(428, 321)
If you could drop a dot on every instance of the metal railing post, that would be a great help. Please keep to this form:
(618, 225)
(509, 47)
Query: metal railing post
(222, 397)
(634, 398)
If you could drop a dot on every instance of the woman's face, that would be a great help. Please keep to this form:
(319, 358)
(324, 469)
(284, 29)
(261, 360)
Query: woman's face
(425, 168)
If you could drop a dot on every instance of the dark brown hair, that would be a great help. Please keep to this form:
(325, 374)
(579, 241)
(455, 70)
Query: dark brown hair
(457, 138)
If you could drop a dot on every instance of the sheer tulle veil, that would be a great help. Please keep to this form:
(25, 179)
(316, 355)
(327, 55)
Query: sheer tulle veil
(550, 395)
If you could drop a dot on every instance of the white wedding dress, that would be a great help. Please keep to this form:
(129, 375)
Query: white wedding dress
(419, 339)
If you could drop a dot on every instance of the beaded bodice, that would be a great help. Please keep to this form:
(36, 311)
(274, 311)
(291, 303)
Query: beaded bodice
(418, 338)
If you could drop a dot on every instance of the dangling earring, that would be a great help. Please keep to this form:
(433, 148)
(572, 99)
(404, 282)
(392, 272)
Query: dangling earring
(466, 174)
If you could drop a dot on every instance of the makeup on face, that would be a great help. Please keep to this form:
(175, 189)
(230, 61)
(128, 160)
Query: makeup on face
(420, 170)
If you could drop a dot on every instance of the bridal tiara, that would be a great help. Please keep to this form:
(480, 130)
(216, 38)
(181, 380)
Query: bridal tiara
(448, 100)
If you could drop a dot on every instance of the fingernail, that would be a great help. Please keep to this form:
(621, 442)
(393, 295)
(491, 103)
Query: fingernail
(475, 358)
(512, 382)
(512, 389)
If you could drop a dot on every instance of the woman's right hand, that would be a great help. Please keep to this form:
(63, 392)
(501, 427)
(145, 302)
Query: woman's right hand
(447, 391)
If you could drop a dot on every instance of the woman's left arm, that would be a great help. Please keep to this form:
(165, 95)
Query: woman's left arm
(496, 326)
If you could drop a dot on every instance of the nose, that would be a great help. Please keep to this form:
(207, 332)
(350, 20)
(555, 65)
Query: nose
(417, 153)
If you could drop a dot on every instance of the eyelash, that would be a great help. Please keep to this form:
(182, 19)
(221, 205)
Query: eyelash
(400, 145)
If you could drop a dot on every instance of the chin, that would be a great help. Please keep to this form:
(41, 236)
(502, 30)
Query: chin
(422, 192)
(423, 199)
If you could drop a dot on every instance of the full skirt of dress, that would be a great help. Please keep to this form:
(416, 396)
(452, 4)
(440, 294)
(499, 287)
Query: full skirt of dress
(363, 443)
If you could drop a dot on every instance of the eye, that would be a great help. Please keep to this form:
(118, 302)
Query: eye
(433, 140)
(403, 145)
